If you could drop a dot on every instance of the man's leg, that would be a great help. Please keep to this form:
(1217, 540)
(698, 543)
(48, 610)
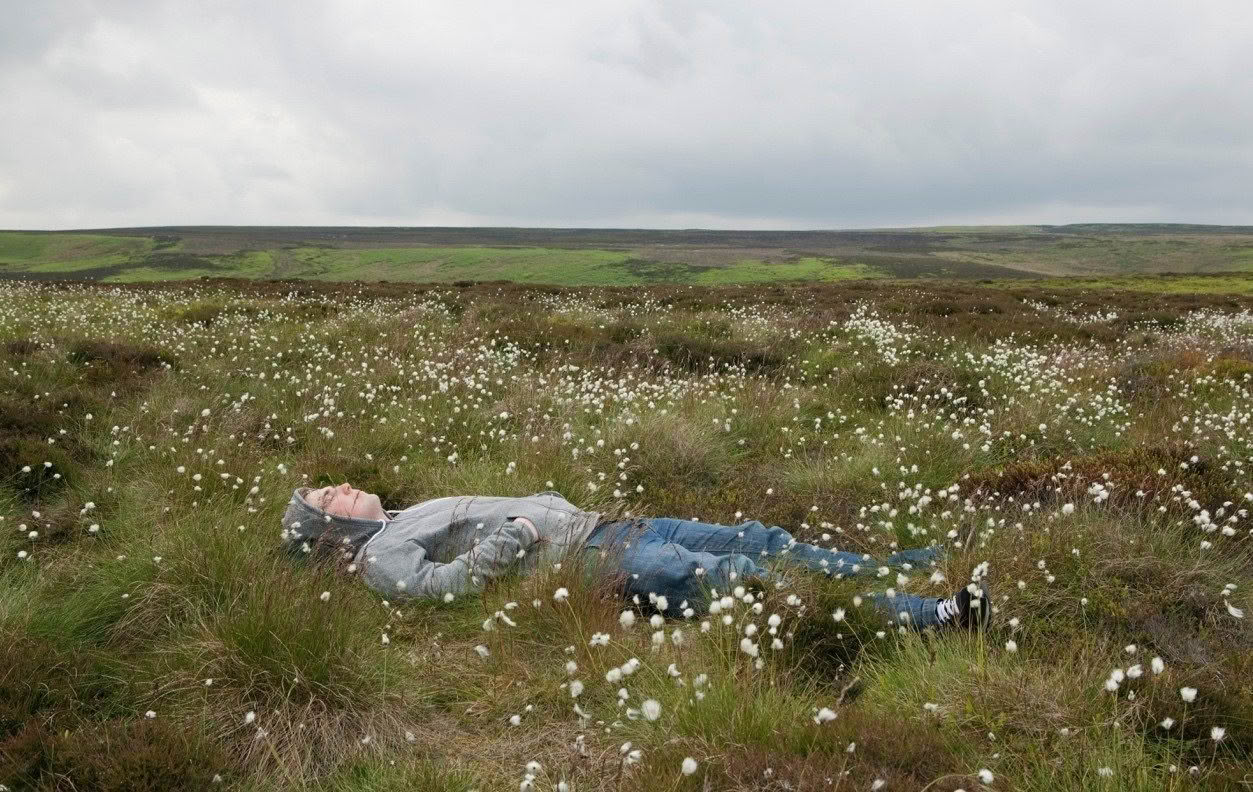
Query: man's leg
(910, 610)
(753, 538)
(654, 565)
(657, 564)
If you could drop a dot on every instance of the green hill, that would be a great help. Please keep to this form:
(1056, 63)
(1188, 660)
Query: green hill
(577, 257)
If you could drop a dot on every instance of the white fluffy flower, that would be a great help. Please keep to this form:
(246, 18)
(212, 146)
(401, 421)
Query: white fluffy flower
(651, 708)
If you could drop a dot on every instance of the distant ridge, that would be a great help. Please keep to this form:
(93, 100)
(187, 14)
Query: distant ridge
(623, 256)
(1075, 228)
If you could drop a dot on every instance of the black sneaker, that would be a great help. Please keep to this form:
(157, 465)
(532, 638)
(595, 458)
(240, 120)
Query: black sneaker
(966, 610)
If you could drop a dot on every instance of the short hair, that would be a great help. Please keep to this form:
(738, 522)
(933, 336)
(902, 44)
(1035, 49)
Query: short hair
(323, 501)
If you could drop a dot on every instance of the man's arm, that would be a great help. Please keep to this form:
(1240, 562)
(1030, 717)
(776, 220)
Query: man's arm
(490, 558)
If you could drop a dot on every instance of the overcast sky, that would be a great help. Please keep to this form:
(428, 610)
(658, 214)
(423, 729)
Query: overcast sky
(639, 113)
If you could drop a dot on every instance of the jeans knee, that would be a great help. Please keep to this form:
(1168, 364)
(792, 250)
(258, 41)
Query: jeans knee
(731, 570)
(676, 580)
(777, 540)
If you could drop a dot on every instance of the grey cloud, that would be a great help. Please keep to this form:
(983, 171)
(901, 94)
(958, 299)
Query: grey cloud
(659, 113)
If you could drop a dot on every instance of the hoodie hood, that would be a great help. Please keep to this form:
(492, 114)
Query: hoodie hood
(304, 522)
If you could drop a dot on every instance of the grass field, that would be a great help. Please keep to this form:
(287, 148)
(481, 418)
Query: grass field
(591, 257)
(1086, 451)
(1216, 283)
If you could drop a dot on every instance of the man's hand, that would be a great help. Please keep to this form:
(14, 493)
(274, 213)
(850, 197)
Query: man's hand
(530, 526)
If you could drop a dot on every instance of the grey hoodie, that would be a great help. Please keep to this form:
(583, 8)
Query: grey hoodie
(446, 545)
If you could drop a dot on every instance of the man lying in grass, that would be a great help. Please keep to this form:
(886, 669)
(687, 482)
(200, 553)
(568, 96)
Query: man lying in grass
(450, 546)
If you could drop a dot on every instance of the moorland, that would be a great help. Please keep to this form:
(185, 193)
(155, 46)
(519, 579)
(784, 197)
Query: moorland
(586, 257)
(1084, 450)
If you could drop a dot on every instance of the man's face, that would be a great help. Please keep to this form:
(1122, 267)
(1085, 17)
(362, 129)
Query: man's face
(344, 501)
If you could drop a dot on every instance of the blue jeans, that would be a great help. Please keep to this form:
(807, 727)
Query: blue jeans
(662, 555)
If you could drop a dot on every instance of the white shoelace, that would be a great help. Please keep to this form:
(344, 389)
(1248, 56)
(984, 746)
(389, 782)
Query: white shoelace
(948, 610)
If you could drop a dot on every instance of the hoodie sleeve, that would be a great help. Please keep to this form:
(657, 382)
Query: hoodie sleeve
(415, 575)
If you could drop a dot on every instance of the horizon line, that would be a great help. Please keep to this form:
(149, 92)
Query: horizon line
(831, 230)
